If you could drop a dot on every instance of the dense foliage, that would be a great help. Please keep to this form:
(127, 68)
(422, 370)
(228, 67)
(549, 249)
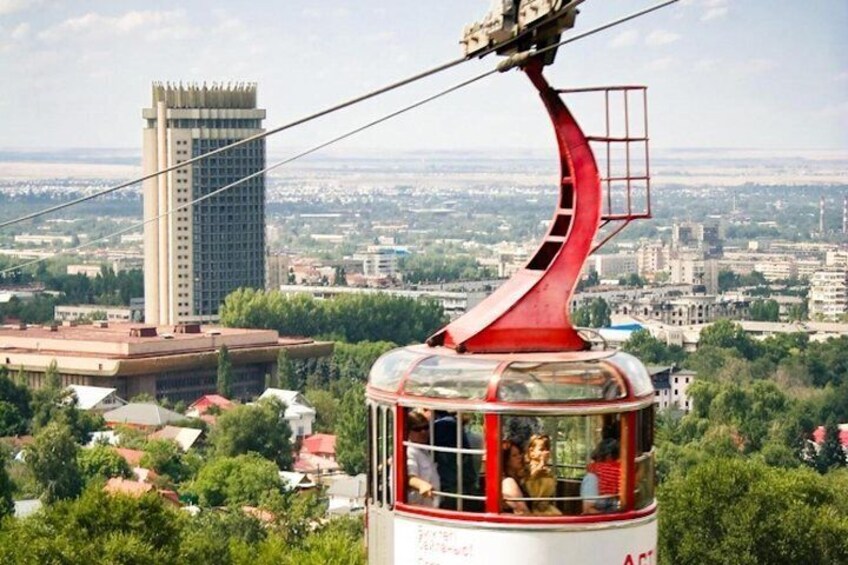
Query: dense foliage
(733, 511)
(596, 314)
(260, 428)
(351, 431)
(351, 318)
(107, 289)
(102, 529)
(440, 268)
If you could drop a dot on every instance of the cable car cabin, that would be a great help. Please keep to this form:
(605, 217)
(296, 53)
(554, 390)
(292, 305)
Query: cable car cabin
(510, 458)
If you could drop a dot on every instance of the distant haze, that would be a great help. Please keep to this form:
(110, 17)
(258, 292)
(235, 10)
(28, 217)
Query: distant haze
(770, 75)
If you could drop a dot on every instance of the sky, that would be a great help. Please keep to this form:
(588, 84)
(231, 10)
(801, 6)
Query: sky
(720, 73)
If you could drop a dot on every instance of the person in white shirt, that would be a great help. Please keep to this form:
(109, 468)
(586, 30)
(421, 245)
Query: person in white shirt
(422, 476)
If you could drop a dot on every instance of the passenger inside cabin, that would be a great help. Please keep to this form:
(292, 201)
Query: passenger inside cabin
(540, 481)
(514, 472)
(422, 475)
(600, 487)
(445, 435)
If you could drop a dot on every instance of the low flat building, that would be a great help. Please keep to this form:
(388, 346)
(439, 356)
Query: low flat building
(454, 304)
(70, 313)
(177, 362)
(90, 271)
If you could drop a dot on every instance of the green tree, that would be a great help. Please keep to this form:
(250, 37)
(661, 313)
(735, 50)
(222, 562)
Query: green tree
(633, 280)
(651, 350)
(96, 528)
(351, 317)
(52, 458)
(56, 405)
(21, 377)
(239, 480)
(326, 409)
(52, 379)
(728, 335)
(261, 428)
(765, 311)
(727, 280)
(600, 312)
(7, 504)
(354, 360)
(102, 462)
(285, 371)
(351, 439)
(225, 373)
(165, 457)
(732, 511)
(15, 411)
(831, 455)
(581, 317)
(221, 533)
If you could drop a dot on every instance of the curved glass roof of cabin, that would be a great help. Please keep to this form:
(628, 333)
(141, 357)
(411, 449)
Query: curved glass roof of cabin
(424, 372)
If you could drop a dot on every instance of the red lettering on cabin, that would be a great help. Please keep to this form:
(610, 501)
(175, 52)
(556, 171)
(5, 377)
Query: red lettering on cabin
(644, 558)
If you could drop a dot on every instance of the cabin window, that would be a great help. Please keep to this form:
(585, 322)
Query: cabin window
(560, 465)
(645, 468)
(446, 377)
(444, 460)
(380, 452)
(390, 368)
(559, 382)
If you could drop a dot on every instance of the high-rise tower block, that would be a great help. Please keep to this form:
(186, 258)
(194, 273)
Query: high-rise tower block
(193, 257)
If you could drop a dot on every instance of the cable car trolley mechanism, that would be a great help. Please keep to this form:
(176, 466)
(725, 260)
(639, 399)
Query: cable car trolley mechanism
(509, 437)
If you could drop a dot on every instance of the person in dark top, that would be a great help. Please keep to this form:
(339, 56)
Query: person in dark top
(445, 435)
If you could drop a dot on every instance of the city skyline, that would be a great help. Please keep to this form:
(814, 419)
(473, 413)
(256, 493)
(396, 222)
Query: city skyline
(720, 74)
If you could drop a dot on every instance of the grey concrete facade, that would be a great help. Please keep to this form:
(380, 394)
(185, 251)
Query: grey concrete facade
(195, 256)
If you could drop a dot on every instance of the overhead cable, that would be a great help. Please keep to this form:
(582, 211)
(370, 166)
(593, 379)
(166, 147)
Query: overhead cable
(276, 165)
(325, 112)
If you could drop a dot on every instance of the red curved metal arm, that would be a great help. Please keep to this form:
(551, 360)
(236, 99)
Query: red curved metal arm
(529, 312)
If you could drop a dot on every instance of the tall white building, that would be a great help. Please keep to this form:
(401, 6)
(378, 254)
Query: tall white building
(829, 294)
(616, 265)
(378, 261)
(194, 257)
(651, 258)
(694, 269)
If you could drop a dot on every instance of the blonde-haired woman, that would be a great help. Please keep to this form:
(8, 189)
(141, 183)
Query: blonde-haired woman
(540, 482)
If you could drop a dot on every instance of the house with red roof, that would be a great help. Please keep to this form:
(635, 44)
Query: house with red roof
(132, 456)
(203, 404)
(136, 489)
(819, 435)
(322, 445)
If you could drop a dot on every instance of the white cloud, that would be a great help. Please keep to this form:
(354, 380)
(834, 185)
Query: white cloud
(157, 24)
(755, 66)
(11, 6)
(714, 14)
(706, 64)
(714, 9)
(662, 64)
(625, 39)
(837, 112)
(841, 76)
(21, 31)
(661, 37)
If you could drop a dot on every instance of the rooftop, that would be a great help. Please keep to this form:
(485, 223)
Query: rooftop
(184, 437)
(90, 396)
(118, 349)
(320, 444)
(142, 414)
